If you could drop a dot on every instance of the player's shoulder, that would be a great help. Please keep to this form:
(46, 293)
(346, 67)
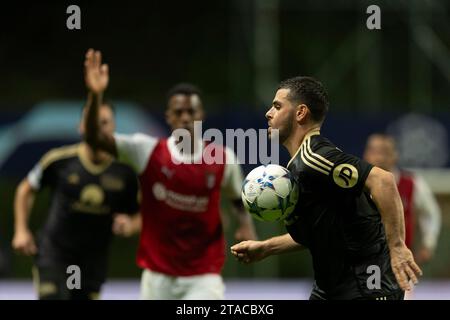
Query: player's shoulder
(136, 139)
(321, 145)
(406, 174)
(411, 177)
(316, 154)
(59, 154)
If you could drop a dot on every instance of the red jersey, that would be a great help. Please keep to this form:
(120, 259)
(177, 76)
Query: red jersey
(181, 224)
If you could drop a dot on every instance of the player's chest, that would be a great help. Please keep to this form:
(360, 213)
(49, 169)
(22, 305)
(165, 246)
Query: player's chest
(77, 183)
(197, 178)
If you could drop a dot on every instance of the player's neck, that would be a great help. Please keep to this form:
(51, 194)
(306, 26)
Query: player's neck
(296, 139)
(96, 156)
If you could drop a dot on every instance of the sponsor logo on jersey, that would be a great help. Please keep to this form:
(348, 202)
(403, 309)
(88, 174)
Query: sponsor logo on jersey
(179, 201)
(112, 183)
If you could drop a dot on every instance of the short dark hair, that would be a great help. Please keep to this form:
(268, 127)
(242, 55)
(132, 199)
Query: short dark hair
(309, 91)
(185, 89)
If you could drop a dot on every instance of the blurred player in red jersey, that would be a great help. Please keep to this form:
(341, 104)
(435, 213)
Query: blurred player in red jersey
(182, 243)
(418, 200)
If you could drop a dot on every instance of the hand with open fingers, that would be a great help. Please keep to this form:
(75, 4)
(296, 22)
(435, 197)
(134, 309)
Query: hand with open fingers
(23, 243)
(250, 251)
(96, 74)
(404, 266)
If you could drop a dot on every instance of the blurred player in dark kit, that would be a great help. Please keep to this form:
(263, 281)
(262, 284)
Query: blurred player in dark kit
(91, 194)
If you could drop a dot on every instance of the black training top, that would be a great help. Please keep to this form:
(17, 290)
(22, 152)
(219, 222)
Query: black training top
(84, 196)
(336, 219)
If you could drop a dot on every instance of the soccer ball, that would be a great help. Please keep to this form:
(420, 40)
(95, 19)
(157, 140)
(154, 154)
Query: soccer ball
(269, 193)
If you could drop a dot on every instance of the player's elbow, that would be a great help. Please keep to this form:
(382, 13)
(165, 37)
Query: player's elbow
(387, 179)
(23, 190)
(380, 180)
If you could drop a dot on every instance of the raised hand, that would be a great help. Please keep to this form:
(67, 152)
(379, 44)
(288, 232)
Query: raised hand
(96, 74)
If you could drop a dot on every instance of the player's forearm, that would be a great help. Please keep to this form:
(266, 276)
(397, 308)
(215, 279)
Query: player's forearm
(23, 203)
(429, 225)
(243, 218)
(92, 121)
(428, 212)
(136, 222)
(246, 228)
(282, 244)
(387, 199)
(93, 136)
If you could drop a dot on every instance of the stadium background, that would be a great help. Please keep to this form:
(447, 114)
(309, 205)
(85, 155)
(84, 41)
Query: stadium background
(396, 78)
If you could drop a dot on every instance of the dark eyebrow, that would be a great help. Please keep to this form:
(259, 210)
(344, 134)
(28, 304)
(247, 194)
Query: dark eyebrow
(276, 103)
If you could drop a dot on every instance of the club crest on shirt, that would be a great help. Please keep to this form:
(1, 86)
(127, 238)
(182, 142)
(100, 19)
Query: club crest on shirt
(167, 172)
(92, 195)
(73, 178)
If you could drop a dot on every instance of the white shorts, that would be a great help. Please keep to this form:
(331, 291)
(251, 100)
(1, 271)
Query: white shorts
(159, 286)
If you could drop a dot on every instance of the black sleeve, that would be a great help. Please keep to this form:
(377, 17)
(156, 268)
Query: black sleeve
(130, 197)
(43, 174)
(336, 169)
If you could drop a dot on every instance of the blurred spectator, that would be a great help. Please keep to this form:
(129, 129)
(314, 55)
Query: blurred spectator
(418, 200)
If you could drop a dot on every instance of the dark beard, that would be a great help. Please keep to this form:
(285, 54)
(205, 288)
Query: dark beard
(285, 131)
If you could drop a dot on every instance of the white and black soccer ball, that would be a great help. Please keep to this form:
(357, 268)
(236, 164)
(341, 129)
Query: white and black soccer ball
(269, 193)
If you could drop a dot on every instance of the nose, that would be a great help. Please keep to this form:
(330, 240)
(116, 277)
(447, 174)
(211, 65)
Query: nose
(269, 114)
(186, 116)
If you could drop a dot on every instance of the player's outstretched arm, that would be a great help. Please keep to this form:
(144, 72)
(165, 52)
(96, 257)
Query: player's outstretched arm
(429, 220)
(383, 189)
(23, 241)
(246, 228)
(96, 76)
(253, 251)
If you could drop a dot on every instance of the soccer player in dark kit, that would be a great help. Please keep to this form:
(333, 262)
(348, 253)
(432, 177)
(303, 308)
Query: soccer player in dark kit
(90, 195)
(349, 213)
